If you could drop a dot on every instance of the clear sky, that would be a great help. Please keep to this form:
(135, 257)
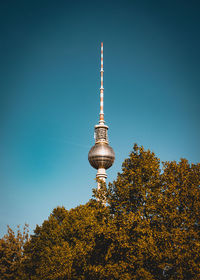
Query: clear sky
(49, 94)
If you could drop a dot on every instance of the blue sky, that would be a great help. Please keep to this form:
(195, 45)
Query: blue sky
(49, 90)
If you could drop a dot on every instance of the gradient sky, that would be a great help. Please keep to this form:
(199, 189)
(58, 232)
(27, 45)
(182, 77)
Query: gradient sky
(49, 92)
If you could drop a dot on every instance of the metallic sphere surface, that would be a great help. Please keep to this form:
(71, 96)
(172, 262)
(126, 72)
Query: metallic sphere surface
(101, 155)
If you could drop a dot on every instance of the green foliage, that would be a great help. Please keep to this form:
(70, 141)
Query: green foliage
(157, 217)
(157, 214)
(69, 244)
(11, 254)
(178, 211)
(149, 228)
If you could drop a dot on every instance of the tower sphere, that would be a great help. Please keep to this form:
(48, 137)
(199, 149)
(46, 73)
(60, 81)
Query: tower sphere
(101, 155)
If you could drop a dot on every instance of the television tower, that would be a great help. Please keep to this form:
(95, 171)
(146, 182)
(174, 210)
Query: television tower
(101, 156)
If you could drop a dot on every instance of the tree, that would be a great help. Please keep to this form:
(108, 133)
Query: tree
(178, 220)
(149, 229)
(69, 245)
(11, 254)
(131, 200)
(157, 217)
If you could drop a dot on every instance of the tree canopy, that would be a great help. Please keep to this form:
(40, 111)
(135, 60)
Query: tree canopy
(12, 254)
(148, 229)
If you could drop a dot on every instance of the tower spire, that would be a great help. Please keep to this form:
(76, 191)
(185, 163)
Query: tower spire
(101, 121)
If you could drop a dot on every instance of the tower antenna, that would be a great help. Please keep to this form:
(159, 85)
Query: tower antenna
(101, 121)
